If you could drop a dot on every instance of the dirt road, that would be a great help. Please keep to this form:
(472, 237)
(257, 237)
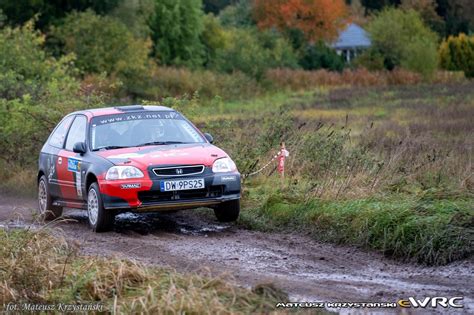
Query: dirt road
(307, 270)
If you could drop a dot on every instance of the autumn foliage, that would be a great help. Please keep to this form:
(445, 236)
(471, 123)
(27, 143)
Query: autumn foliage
(317, 19)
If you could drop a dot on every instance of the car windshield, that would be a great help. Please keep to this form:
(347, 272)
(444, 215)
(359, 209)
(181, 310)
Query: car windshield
(141, 129)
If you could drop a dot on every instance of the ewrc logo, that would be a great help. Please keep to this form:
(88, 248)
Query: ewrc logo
(432, 301)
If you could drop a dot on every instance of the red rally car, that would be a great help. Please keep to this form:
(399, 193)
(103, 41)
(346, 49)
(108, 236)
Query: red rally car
(134, 158)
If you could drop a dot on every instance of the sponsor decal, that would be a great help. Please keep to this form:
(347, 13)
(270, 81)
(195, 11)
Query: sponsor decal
(51, 168)
(227, 178)
(125, 156)
(170, 154)
(131, 186)
(79, 183)
(73, 165)
(136, 116)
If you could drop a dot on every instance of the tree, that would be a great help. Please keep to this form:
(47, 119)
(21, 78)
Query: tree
(215, 6)
(357, 12)
(213, 37)
(457, 54)
(50, 12)
(103, 44)
(376, 5)
(136, 15)
(427, 11)
(238, 15)
(404, 40)
(317, 19)
(177, 28)
(455, 13)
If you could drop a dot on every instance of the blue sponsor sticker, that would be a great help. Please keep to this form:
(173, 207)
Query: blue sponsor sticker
(73, 165)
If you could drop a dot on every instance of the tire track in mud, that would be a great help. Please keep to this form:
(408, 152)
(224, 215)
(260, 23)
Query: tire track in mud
(306, 269)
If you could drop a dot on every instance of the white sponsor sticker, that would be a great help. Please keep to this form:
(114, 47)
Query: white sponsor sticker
(78, 183)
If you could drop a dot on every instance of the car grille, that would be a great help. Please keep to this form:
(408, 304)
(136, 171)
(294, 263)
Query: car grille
(157, 196)
(178, 170)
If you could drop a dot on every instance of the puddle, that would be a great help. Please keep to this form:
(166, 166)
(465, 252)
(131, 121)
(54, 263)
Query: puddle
(152, 223)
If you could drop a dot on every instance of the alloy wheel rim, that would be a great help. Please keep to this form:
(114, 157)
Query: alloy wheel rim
(42, 197)
(92, 206)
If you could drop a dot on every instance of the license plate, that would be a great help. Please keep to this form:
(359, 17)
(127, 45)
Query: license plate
(182, 184)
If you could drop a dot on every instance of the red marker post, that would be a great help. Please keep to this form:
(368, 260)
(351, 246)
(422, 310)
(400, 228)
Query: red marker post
(282, 155)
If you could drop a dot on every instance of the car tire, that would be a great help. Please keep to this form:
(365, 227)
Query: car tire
(46, 210)
(100, 219)
(228, 211)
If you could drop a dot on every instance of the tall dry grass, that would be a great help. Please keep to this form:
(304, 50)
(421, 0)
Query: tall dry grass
(297, 80)
(38, 267)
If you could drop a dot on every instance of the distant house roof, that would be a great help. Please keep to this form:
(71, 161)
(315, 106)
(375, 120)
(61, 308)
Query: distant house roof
(353, 36)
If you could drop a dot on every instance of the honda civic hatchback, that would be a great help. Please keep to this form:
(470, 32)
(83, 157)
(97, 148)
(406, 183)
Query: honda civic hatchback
(134, 158)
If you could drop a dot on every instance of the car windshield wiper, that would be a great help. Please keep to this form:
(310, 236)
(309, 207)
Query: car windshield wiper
(159, 143)
(111, 147)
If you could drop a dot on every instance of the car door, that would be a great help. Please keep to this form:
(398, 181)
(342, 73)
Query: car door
(70, 164)
(54, 146)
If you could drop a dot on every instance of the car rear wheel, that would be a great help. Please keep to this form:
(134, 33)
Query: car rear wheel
(228, 211)
(100, 219)
(46, 210)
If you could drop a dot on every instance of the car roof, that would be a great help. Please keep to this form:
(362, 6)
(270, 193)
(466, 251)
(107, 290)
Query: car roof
(121, 110)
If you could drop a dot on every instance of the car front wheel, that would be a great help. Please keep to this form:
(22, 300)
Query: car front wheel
(228, 211)
(46, 210)
(100, 219)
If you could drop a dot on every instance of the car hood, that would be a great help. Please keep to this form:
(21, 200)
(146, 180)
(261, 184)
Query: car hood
(175, 154)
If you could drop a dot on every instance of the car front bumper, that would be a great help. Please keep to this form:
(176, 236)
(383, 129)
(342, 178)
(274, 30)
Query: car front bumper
(145, 194)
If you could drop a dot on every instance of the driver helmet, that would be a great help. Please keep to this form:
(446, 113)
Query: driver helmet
(157, 130)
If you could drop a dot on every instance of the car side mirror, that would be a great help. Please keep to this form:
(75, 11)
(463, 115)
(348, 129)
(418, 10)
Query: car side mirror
(209, 137)
(79, 147)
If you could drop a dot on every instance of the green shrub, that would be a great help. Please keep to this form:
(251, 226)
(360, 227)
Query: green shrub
(404, 40)
(103, 44)
(320, 56)
(370, 59)
(36, 90)
(253, 52)
(420, 56)
(457, 54)
(178, 82)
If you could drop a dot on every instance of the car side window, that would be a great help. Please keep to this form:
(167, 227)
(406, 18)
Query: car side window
(77, 132)
(59, 134)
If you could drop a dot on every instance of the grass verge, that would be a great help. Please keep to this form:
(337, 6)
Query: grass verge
(430, 228)
(39, 268)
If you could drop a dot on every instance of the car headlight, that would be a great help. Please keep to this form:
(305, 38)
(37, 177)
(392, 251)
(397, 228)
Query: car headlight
(223, 165)
(123, 172)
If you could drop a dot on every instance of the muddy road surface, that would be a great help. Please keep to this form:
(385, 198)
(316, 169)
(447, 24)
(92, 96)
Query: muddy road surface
(307, 270)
